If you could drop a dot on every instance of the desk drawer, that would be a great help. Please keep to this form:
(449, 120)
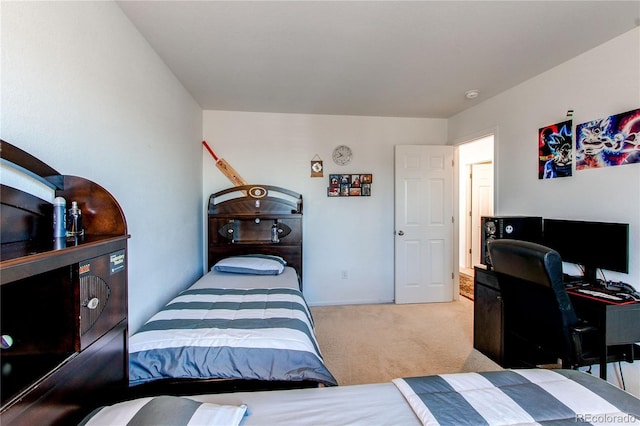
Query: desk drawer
(486, 278)
(623, 324)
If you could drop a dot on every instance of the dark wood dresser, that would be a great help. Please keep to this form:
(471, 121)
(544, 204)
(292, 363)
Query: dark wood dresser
(63, 302)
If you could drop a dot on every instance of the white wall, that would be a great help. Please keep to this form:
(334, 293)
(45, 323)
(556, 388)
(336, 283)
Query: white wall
(599, 83)
(351, 234)
(84, 92)
(594, 88)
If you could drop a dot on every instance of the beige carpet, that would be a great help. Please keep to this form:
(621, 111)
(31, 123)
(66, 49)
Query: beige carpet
(377, 343)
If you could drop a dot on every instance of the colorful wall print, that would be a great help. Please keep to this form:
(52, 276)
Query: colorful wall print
(555, 148)
(611, 141)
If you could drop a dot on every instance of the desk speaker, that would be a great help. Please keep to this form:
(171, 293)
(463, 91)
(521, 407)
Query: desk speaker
(526, 228)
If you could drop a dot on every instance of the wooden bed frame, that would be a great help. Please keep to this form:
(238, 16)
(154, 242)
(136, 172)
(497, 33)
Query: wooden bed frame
(242, 219)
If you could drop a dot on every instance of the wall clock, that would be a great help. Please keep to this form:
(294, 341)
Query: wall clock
(342, 155)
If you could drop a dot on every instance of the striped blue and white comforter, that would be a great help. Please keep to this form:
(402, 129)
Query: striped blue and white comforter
(212, 333)
(518, 397)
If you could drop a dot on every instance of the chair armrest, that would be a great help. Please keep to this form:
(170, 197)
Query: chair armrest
(582, 352)
(582, 328)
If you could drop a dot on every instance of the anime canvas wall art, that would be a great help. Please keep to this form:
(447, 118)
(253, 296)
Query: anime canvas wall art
(555, 148)
(611, 141)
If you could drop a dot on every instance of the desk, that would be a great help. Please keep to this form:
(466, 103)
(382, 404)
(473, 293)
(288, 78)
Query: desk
(620, 323)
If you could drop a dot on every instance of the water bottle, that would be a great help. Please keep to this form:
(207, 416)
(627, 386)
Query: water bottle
(274, 234)
(59, 217)
(74, 221)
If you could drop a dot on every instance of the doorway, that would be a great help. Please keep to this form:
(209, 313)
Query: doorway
(475, 159)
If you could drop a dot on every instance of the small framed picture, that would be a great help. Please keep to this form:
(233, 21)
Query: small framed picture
(368, 178)
(333, 191)
(334, 180)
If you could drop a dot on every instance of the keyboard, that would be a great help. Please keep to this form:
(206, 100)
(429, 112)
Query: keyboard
(599, 294)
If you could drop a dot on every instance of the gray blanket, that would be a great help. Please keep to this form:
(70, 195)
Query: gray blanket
(262, 334)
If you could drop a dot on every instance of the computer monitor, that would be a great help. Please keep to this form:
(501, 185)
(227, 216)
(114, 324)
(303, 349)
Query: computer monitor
(592, 245)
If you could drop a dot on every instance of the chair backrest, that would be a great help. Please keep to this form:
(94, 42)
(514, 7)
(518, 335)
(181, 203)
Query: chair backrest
(537, 307)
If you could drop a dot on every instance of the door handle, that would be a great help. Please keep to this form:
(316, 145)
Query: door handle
(401, 232)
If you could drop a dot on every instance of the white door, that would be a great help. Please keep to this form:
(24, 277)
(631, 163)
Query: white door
(481, 204)
(424, 255)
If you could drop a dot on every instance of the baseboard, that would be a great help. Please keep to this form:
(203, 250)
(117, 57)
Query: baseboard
(350, 302)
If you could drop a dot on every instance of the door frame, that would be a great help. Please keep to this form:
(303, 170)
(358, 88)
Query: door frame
(461, 231)
(475, 212)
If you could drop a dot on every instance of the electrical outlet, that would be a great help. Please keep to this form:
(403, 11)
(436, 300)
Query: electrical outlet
(344, 274)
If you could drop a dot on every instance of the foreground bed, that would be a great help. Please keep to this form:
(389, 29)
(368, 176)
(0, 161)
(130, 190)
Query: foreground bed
(508, 397)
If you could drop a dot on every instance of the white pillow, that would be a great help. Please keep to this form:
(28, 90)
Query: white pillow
(167, 410)
(255, 264)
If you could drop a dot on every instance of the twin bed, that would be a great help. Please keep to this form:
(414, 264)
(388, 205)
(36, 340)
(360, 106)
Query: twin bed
(245, 323)
(227, 327)
(507, 397)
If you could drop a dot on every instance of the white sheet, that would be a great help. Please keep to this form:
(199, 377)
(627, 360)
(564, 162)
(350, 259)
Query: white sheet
(216, 279)
(374, 404)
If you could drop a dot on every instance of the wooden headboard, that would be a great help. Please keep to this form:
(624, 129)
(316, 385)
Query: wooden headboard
(243, 220)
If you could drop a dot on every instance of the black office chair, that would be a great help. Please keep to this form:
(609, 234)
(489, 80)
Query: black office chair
(541, 326)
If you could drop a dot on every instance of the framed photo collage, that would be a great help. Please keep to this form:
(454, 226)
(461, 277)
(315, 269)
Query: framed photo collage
(350, 185)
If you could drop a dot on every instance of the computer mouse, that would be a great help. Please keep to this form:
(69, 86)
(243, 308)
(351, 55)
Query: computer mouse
(620, 286)
(628, 296)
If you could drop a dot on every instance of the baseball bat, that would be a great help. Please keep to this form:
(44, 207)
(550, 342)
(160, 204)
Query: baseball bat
(225, 168)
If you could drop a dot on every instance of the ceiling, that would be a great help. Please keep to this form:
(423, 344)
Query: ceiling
(373, 58)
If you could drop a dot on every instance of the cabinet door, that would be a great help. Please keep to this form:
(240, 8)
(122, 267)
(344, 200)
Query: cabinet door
(488, 321)
(97, 376)
(103, 295)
